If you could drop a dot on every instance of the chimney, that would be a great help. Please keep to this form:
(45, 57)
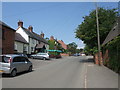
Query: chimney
(20, 23)
(30, 28)
(42, 34)
(51, 38)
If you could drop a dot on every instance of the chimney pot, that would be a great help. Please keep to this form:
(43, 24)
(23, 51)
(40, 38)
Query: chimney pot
(51, 38)
(30, 28)
(42, 34)
(20, 23)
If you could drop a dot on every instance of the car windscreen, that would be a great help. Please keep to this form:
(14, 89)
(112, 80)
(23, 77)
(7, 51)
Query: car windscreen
(4, 59)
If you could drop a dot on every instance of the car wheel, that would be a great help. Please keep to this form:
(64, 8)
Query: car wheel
(32, 57)
(30, 69)
(44, 58)
(13, 73)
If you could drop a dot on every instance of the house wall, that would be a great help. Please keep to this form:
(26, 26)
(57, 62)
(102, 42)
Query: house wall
(23, 34)
(0, 41)
(8, 37)
(47, 46)
(32, 45)
(20, 47)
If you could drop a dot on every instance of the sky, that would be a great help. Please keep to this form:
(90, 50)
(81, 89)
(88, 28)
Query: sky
(58, 19)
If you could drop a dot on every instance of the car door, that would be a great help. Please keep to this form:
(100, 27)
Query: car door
(39, 55)
(17, 64)
(23, 63)
(28, 63)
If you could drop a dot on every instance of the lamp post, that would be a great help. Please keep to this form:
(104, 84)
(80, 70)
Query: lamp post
(98, 35)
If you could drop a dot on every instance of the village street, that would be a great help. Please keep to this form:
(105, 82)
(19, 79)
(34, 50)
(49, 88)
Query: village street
(67, 72)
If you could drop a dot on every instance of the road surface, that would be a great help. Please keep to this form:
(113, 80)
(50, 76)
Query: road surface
(68, 72)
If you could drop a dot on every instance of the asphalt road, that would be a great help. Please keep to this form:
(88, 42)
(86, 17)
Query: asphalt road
(68, 72)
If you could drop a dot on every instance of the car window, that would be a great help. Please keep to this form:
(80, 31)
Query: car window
(23, 59)
(27, 60)
(43, 53)
(39, 53)
(4, 59)
(17, 59)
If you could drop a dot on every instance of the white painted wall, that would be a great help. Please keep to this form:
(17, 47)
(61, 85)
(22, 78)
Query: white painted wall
(23, 34)
(20, 47)
(47, 46)
(32, 43)
(26, 45)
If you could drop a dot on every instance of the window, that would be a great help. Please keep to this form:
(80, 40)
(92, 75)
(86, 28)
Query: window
(3, 34)
(32, 49)
(4, 59)
(25, 48)
(27, 60)
(23, 59)
(33, 41)
(17, 59)
(15, 46)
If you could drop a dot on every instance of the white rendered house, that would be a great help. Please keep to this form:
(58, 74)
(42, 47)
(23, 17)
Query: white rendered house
(36, 43)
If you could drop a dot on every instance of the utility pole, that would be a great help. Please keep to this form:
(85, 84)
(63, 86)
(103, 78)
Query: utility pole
(98, 35)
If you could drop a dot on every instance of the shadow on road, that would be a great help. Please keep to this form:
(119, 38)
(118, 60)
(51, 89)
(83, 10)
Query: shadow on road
(89, 60)
(18, 74)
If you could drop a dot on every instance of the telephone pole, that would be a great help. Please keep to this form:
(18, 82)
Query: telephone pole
(98, 35)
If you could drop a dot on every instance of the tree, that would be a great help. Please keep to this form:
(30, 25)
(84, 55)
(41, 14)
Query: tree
(72, 47)
(87, 31)
(54, 45)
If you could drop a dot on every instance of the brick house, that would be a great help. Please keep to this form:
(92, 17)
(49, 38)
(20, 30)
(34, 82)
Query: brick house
(7, 39)
(63, 44)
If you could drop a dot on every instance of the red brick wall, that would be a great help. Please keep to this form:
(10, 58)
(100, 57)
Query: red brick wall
(64, 54)
(97, 60)
(63, 44)
(8, 40)
(106, 58)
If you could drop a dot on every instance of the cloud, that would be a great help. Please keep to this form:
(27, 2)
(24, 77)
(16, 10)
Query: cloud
(80, 47)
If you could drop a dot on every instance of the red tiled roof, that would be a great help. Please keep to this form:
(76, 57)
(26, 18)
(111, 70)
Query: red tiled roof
(63, 44)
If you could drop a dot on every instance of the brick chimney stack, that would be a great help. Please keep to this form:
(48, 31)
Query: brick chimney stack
(30, 28)
(20, 23)
(51, 38)
(42, 34)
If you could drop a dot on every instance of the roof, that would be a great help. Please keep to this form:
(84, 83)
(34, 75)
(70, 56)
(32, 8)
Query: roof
(19, 38)
(4, 24)
(40, 45)
(113, 33)
(63, 44)
(35, 36)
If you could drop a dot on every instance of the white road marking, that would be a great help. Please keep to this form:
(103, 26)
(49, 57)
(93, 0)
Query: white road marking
(85, 86)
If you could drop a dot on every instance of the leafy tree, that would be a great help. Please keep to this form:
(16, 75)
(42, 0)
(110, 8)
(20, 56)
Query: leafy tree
(87, 31)
(53, 44)
(81, 50)
(47, 38)
(72, 47)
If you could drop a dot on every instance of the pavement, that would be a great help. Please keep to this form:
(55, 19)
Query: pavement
(67, 72)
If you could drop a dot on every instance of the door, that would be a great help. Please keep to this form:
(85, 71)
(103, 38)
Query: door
(17, 64)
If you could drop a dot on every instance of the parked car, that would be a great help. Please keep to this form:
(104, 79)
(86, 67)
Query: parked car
(83, 54)
(43, 56)
(13, 64)
(77, 54)
(23, 55)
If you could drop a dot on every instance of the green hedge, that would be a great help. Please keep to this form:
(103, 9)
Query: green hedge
(114, 54)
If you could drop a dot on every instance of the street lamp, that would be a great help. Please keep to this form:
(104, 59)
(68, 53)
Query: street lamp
(98, 34)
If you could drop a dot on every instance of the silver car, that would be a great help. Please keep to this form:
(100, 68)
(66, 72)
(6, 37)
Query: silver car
(13, 64)
(43, 56)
